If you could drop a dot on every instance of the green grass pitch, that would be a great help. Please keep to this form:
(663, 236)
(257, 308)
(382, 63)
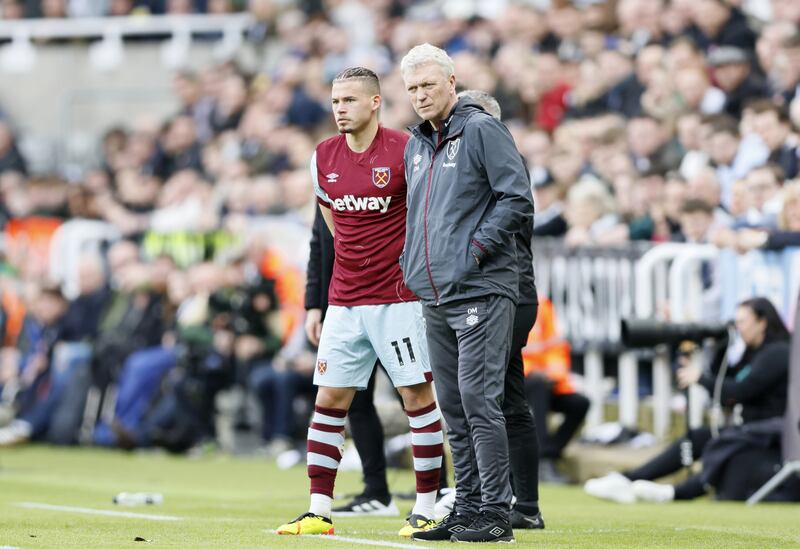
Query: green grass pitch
(233, 502)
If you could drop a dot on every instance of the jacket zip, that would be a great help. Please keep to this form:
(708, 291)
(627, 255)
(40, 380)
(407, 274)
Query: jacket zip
(425, 219)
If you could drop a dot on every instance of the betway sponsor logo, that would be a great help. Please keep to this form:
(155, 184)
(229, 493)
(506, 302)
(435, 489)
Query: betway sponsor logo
(361, 203)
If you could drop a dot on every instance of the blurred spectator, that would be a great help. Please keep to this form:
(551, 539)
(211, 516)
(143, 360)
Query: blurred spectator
(30, 365)
(650, 146)
(178, 149)
(548, 388)
(716, 23)
(194, 103)
(733, 73)
(548, 200)
(786, 69)
(763, 187)
(788, 232)
(772, 124)
(10, 158)
(625, 97)
(590, 214)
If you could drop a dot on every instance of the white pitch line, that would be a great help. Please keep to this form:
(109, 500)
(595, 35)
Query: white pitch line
(89, 511)
(361, 541)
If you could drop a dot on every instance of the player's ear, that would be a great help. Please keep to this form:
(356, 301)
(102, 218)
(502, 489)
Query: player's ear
(376, 102)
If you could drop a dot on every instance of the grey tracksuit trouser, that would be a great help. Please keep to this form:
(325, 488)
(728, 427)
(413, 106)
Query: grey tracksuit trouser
(469, 343)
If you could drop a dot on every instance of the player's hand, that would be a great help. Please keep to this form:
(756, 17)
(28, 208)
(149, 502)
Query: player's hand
(314, 325)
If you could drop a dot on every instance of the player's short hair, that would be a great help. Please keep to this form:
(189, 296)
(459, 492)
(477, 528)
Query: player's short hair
(485, 100)
(425, 54)
(368, 77)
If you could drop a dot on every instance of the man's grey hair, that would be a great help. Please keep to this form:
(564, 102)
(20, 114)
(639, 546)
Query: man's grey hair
(425, 54)
(485, 100)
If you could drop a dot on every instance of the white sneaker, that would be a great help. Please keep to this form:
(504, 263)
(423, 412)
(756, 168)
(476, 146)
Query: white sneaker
(365, 506)
(445, 504)
(613, 487)
(644, 490)
(17, 432)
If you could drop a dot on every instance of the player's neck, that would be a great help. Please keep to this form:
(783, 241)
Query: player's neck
(360, 141)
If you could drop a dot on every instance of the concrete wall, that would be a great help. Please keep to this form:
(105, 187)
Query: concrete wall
(63, 104)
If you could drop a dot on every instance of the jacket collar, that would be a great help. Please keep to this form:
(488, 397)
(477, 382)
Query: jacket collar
(452, 126)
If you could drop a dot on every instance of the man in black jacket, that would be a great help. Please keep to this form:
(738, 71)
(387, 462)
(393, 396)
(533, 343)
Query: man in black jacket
(468, 196)
(523, 444)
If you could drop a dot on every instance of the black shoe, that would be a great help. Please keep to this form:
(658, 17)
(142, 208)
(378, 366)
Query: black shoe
(363, 505)
(522, 521)
(451, 524)
(487, 527)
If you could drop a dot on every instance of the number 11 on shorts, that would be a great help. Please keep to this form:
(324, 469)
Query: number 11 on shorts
(397, 350)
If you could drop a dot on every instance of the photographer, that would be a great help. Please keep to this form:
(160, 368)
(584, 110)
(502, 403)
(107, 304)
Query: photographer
(741, 457)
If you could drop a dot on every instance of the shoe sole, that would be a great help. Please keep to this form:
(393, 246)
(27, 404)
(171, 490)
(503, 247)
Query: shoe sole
(387, 513)
(527, 527)
(328, 533)
(498, 540)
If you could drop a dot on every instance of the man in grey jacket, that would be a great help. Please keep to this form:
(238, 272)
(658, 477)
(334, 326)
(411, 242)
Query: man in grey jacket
(468, 197)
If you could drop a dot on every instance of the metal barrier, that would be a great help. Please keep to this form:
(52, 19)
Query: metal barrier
(20, 54)
(593, 289)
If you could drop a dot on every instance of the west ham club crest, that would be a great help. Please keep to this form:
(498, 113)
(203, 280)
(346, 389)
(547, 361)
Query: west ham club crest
(452, 148)
(322, 366)
(381, 176)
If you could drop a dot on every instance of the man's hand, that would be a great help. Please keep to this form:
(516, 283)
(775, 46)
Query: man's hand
(314, 325)
(687, 374)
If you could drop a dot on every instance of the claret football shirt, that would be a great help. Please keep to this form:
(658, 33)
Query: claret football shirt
(366, 193)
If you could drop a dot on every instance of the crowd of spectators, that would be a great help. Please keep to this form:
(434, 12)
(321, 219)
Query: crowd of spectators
(648, 120)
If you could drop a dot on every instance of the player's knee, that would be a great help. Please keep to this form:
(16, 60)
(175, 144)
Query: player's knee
(417, 396)
(334, 397)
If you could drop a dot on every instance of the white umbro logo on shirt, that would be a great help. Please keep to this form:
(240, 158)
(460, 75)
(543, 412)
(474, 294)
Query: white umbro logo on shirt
(332, 177)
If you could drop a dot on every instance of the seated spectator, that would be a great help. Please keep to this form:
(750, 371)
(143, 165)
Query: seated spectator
(787, 233)
(548, 388)
(697, 221)
(625, 97)
(10, 158)
(733, 73)
(764, 198)
(549, 219)
(786, 70)
(278, 385)
(591, 215)
(773, 125)
(755, 383)
(651, 147)
(178, 149)
(696, 92)
(39, 377)
(732, 157)
(717, 23)
(704, 185)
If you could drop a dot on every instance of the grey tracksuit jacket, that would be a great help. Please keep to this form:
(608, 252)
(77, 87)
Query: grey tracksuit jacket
(468, 196)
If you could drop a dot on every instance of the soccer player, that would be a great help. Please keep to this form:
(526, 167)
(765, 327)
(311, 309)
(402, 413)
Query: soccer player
(360, 182)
